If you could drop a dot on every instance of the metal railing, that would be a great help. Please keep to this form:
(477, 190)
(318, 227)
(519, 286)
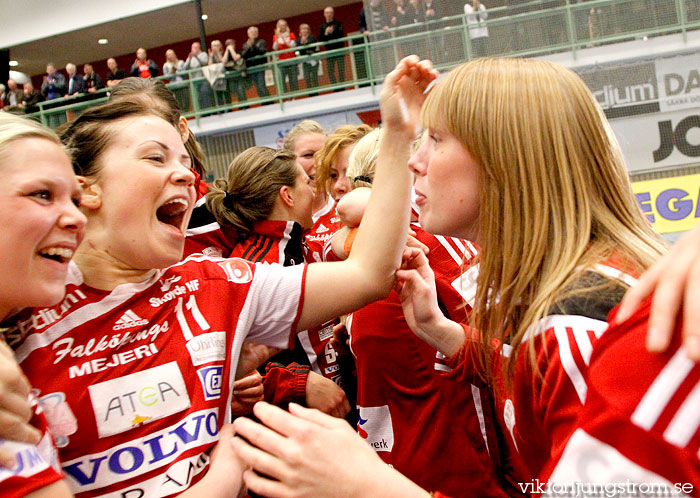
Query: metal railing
(529, 29)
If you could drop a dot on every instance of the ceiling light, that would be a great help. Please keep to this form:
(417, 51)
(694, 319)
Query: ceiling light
(204, 17)
(14, 63)
(103, 41)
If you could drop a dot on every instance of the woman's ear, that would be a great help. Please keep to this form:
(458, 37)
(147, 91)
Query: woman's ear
(286, 196)
(184, 129)
(91, 197)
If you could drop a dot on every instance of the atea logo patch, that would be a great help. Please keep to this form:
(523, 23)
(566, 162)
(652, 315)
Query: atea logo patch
(210, 377)
(375, 427)
(126, 402)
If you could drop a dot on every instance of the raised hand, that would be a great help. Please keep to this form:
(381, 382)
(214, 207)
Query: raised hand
(674, 280)
(403, 93)
(416, 288)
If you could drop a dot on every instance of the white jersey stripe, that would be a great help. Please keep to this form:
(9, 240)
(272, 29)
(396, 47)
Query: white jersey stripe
(211, 227)
(584, 343)
(616, 274)
(305, 341)
(569, 364)
(476, 395)
(661, 390)
(459, 259)
(686, 421)
(440, 367)
(574, 321)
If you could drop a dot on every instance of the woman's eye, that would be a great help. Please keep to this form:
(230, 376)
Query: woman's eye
(333, 175)
(44, 195)
(157, 158)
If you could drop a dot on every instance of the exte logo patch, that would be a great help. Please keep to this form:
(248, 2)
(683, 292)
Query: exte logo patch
(210, 377)
(126, 402)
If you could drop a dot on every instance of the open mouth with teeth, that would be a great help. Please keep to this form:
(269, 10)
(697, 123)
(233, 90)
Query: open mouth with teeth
(173, 212)
(60, 254)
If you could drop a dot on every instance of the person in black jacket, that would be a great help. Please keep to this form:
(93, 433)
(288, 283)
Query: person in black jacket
(333, 30)
(92, 80)
(253, 50)
(75, 84)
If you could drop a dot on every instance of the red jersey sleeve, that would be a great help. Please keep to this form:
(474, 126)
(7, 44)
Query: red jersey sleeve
(640, 419)
(285, 384)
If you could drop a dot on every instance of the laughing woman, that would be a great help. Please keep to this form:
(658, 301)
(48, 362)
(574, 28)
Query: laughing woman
(143, 349)
(41, 226)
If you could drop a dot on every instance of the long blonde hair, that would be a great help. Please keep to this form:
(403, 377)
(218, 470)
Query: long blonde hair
(554, 194)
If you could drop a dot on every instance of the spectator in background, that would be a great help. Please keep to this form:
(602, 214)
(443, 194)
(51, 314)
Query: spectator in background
(378, 19)
(195, 59)
(377, 16)
(114, 74)
(253, 50)
(478, 30)
(172, 70)
(310, 62)
(31, 97)
(54, 86)
(91, 80)
(400, 17)
(433, 11)
(2, 95)
(218, 84)
(13, 95)
(333, 30)
(143, 66)
(236, 70)
(75, 84)
(283, 39)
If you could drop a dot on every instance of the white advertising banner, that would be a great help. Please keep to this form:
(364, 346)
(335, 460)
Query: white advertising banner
(273, 135)
(678, 81)
(652, 141)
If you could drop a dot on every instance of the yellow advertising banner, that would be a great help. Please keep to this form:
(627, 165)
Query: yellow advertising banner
(670, 204)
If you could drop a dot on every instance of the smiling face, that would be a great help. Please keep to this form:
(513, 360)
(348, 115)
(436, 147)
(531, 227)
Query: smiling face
(41, 223)
(304, 148)
(339, 182)
(144, 195)
(447, 185)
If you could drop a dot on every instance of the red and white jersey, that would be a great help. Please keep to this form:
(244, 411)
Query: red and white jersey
(139, 379)
(413, 412)
(324, 227)
(541, 411)
(205, 236)
(37, 465)
(281, 242)
(640, 425)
